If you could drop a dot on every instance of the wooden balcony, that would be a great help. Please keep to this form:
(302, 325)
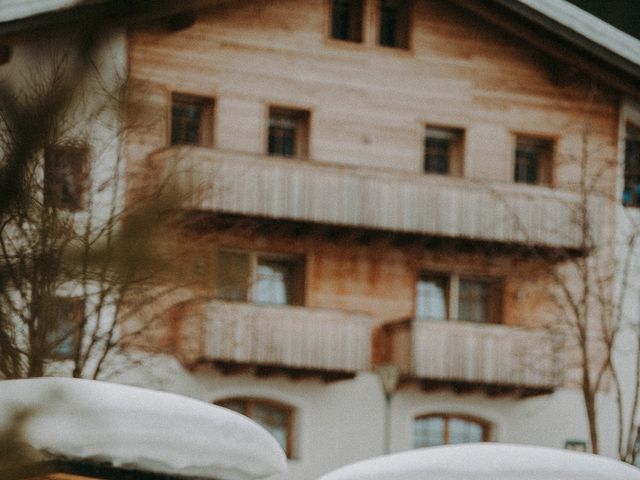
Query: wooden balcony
(298, 341)
(405, 202)
(497, 359)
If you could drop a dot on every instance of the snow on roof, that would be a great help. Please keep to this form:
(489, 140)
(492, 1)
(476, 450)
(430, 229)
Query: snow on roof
(131, 427)
(487, 461)
(17, 9)
(589, 26)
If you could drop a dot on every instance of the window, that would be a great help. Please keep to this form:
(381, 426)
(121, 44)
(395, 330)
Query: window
(432, 297)
(631, 192)
(288, 132)
(274, 417)
(473, 301)
(65, 171)
(269, 279)
(64, 315)
(346, 20)
(443, 151)
(442, 429)
(6, 52)
(533, 158)
(191, 120)
(393, 18)
(443, 297)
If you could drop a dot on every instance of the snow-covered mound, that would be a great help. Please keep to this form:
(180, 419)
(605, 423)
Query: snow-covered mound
(142, 429)
(487, 461)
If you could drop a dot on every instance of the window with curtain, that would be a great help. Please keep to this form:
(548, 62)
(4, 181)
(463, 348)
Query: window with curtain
(264, 278)
(448, 429)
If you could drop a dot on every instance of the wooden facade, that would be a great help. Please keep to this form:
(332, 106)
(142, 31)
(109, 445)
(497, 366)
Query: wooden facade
(503, 358)
(365, 110)
(287, 337)
(282, 189)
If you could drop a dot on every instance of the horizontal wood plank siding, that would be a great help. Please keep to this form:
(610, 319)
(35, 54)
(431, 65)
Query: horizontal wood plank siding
(287, 336)
(484, 354)
(255, 185)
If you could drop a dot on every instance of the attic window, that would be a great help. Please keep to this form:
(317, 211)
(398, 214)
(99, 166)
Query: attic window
(393, 23)
(346, 20)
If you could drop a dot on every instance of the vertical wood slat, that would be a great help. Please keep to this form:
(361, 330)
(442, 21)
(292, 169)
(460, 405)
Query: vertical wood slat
(249, 184)
(295, 337)
(482, 354)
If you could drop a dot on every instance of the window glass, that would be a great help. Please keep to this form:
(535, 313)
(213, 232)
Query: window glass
(276, 418)
(473, 304)
(273, 282)
(66, 176)
(443, 151)
(282, 136)
(464, 431)
(429, 432)
(63, 315)
(232, 276)
(346, 20)
(288, 130)
(631, 192)
(533, 160)
(393, 25)
(191, 120)
(259, 278)
(434, 430)
(432, 297)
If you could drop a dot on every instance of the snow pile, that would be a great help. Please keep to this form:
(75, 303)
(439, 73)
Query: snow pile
(487, 461)
(141, 429)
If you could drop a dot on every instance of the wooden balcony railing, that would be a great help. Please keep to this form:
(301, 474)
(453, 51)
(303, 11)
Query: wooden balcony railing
(308, 191)
(468, 354)
(287, 337)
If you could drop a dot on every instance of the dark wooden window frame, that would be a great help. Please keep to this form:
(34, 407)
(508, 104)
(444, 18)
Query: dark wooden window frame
(394, 23)
(66, 175)
(288, 132)
(181, 130)
(447, 417)
(533, 160)
(347, 20)
(248, 403)
(494, 300)
(296, 284)
(443, 144)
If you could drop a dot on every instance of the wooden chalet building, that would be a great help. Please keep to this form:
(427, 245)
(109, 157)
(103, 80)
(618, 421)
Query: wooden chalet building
(383, 182)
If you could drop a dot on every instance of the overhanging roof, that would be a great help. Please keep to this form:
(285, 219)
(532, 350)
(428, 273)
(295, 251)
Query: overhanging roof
(558, 19)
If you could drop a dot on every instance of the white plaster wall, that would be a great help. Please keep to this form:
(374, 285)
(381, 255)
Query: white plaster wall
(342, 422)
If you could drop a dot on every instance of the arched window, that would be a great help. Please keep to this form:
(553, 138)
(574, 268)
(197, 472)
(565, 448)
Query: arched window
(275, 417)
(445, 429)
